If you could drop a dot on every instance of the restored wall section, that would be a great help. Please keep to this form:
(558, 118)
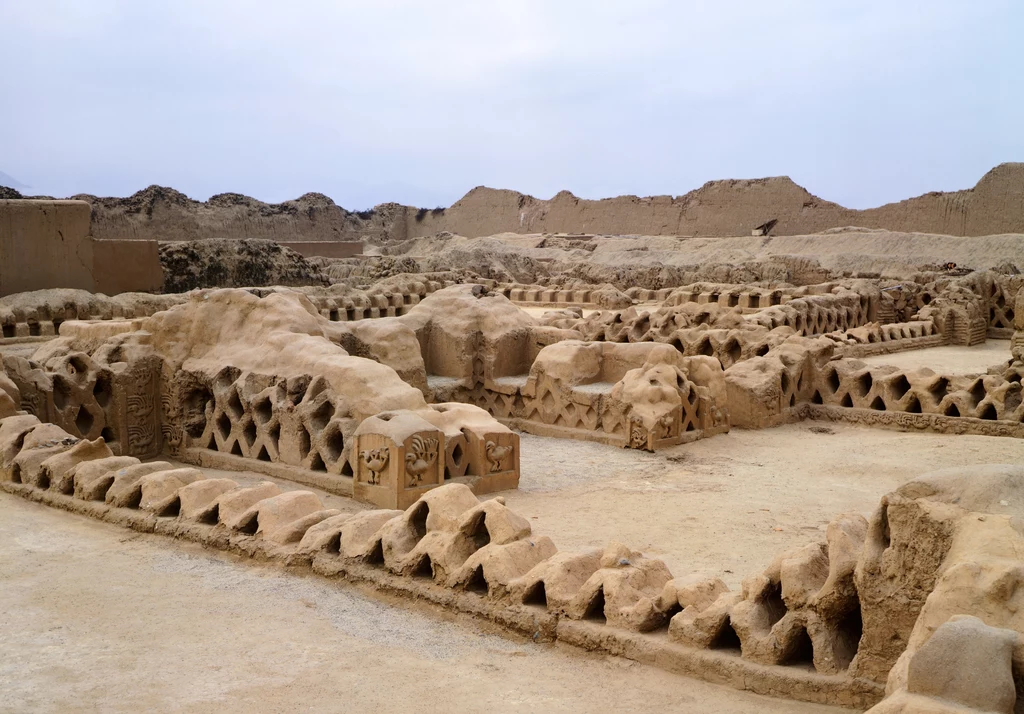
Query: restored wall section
(45, 244)
(121, 266)
(48, 244)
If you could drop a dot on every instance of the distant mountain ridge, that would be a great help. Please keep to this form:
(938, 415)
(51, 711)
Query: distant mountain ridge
(995, 205)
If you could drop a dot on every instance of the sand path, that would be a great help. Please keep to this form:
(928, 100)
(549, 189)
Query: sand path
(97, 618)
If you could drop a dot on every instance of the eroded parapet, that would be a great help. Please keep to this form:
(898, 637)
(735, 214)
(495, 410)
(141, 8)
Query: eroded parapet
(704, 324)
(736, 323)
(870, 598)
(302, 423)
(996, 295)
(853, 607)
(645, 295)
(763, 391)
(41, 313)
(745, 297)
(802, 378)
(339, 304)
(706, 330)
(298, 421)
(605, 297)
(968, 309)
(853, 384)
(878, 339)
(819, 314)
(1003, 295)
(802, 609)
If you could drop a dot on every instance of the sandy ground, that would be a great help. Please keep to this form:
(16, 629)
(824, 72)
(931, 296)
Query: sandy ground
(728, 504)
(539, 311)
(97, 618)
(950, 360)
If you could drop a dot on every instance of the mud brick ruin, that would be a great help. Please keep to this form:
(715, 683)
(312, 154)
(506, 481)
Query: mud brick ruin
(401, 368)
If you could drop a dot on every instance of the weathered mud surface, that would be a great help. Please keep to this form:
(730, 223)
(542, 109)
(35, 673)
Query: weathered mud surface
(226, 263)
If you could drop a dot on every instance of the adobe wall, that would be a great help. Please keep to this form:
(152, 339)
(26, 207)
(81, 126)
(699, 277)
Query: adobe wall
(731, 208)
(45, 244)
(121, 266)
(48, 244)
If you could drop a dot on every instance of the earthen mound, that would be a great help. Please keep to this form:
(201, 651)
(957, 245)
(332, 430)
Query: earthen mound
(229, 263)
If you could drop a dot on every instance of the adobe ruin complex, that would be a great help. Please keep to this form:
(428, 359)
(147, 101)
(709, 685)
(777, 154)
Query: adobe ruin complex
(404, 359)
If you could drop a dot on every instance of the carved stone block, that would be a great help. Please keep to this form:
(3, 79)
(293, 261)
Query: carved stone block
(398, 458)
(135, 419)
(493, 458)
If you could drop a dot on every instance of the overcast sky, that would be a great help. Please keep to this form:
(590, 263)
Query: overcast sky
(863, 102)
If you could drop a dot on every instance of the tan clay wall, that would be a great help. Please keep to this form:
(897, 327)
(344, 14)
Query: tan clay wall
(44, 244)
(47, 244)
(732, 208)
(122, 266)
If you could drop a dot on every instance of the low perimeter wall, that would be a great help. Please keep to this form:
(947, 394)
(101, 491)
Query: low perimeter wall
(45, 244)
(127, 266)
(48, 244)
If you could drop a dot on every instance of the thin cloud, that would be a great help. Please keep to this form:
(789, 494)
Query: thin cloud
(862, 103)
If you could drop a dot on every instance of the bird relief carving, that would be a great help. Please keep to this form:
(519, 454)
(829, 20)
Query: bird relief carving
(375, 460)
(419, 455)
(496, 455)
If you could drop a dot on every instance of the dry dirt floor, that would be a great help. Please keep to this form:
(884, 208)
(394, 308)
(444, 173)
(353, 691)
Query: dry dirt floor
(727, 505)
(949, 360)
(97, 618)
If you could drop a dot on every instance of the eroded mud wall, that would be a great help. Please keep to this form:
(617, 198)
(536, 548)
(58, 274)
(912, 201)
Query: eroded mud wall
(719, 208)
(733, 208)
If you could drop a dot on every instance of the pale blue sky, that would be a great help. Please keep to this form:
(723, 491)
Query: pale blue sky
(863, 102)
